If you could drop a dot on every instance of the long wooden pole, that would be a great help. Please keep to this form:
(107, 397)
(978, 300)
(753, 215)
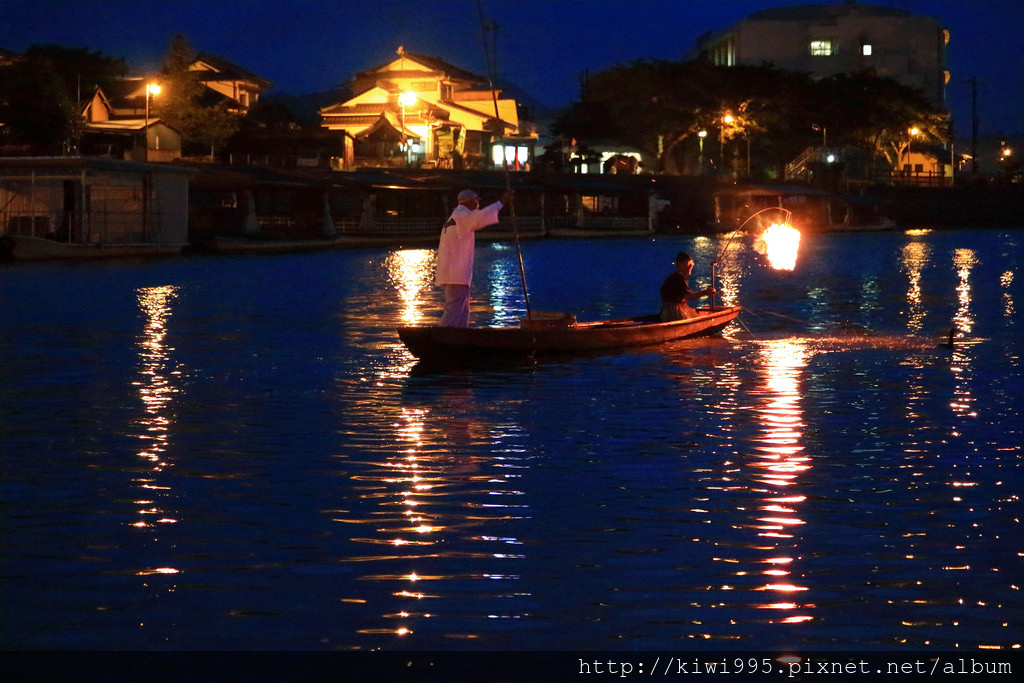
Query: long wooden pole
(508, 180)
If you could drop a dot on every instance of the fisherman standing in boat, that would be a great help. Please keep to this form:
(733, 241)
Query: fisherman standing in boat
(455, 253)
(675, 291)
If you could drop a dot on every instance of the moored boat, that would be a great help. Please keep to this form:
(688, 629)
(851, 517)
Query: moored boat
(22, 248)
(559, 336)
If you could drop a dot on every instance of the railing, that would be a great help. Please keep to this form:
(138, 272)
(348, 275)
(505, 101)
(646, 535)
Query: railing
(798, 166)
(598, 222)
(524, 225)
(26, 225)
(920, 178)
(390, 226)
(277, 221)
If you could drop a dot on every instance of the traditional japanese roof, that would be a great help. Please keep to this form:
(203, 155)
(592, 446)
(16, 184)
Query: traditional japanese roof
(223, 70)
(421, 109)
(384, 126)
(435, 63)
(120, 125)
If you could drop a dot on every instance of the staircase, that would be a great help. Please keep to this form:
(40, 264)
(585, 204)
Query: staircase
(797, 168)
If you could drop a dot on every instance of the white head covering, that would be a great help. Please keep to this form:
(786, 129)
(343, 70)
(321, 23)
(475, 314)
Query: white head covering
(466, 195)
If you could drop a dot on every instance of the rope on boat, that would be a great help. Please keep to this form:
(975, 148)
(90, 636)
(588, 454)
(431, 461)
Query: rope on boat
(790, 318)
(508, 180)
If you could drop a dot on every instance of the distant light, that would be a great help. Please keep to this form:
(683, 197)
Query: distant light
(702, 134)
(914, 131)
(831, 158)
(866, 49)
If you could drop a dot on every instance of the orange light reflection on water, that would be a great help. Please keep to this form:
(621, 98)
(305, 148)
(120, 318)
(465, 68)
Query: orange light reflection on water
(779, 464)
(157, 388)
(411, 272)
(406, 495)
(916, 256)
(964, 260)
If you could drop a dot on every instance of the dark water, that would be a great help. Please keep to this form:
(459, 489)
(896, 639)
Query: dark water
(237, 453)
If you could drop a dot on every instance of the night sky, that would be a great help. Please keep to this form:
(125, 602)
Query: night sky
(543, 46)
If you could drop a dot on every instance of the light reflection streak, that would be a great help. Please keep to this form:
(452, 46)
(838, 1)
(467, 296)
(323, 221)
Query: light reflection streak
(1005, 281)
(411, 491)
(962, 402)
(964, 260)
(779, 465)
(728, 277)
(156, 390)
(916, 256)
(506, 293)
(411, 273)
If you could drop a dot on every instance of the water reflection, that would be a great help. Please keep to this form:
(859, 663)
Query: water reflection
(411, 273)
(1005, 281)
(437, 492)
(506, 292)
(778, 466)
(156, 389)
(962, 402)
(916, 256)
(964, 260)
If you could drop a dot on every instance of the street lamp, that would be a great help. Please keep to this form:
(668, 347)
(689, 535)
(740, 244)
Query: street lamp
(726, 121)
(913, 131)
(406, 99)
(152, 90)
(701, 135)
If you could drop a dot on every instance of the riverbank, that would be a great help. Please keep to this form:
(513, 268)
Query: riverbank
(955, 207)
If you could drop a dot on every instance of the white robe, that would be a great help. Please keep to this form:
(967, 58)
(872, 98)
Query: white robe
(458, 241)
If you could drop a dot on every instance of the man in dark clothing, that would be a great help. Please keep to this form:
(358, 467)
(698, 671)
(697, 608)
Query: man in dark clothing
(675, 291)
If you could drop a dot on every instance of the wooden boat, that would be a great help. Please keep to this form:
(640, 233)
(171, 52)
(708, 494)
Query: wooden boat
(558, 335)
(22, 248)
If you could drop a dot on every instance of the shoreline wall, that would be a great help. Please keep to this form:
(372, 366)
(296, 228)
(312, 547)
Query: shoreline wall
(955, 207)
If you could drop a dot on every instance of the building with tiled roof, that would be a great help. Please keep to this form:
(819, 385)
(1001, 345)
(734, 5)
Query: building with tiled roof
(421, 110)
(240, 88)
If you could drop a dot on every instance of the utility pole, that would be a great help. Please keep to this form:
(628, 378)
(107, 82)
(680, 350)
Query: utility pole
(974, 125)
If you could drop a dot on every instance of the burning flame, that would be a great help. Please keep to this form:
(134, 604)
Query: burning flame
(782, 241)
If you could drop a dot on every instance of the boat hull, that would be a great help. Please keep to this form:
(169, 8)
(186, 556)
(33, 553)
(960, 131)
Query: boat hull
(23, 248)
(448, 343)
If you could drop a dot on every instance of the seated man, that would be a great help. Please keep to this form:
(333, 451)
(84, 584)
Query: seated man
(675, 291)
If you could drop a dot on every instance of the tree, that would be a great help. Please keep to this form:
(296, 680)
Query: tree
(203, 126)
(660, 106)
(42, 97)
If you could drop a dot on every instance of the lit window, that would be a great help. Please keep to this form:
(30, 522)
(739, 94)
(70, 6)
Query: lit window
(821, 48)
(865, 49)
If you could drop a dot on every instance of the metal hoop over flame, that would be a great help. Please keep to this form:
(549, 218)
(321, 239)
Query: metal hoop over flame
(781, 242)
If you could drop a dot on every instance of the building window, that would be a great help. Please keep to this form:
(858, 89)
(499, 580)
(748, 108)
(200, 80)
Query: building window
(865, 49)
(822, 48)
(446, 92)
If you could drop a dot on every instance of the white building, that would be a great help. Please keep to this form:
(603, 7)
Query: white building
(825, 40)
